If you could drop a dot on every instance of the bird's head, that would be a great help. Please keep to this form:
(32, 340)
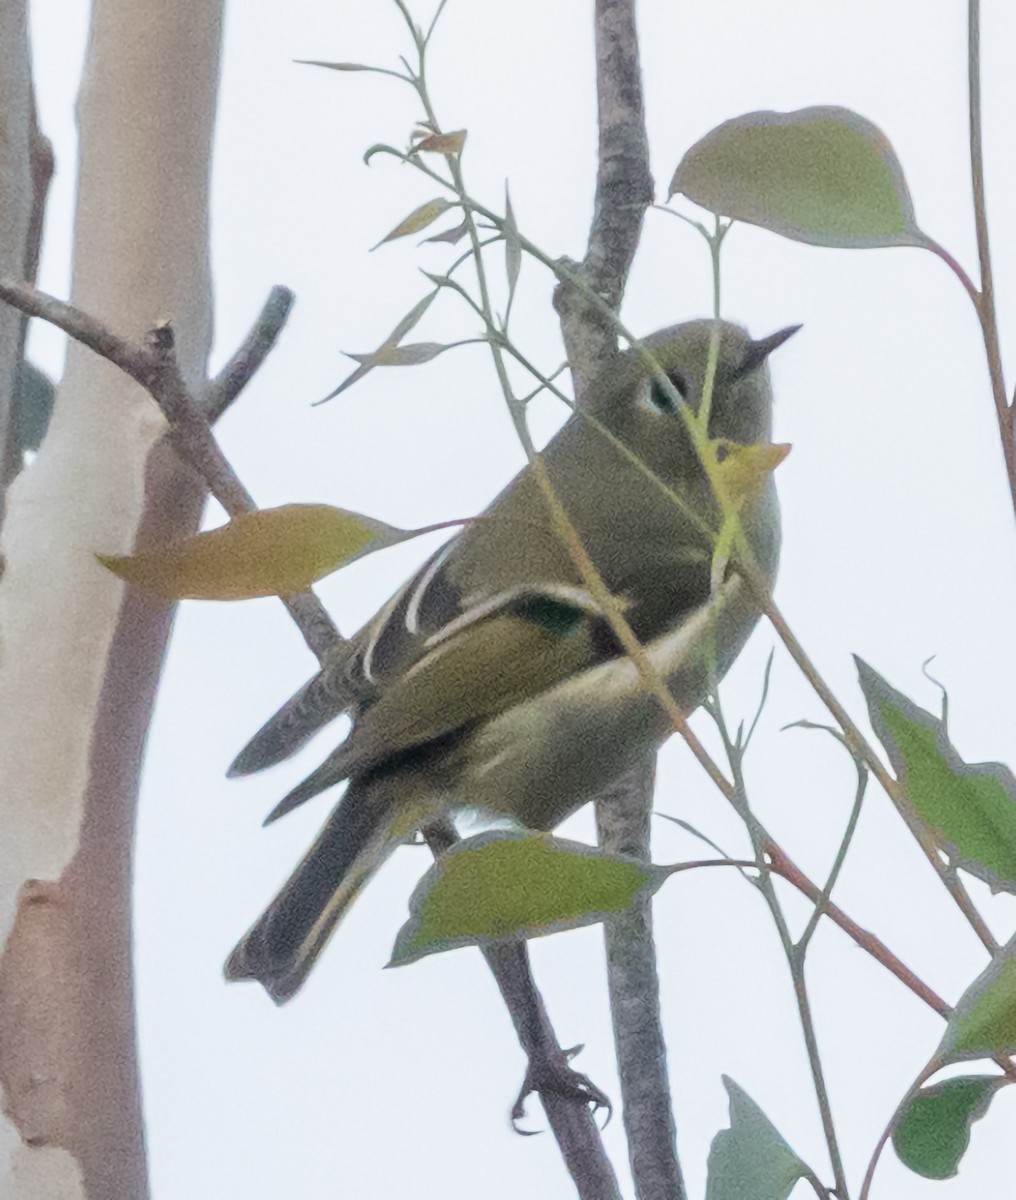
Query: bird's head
(631, 400)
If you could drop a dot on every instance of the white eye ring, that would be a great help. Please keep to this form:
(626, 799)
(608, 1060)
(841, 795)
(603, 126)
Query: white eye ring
(652, 398)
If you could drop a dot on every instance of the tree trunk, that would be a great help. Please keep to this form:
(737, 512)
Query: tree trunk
(80, 658)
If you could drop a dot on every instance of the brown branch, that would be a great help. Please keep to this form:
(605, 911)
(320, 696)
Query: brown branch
(624, 190)
(153, 364)
(782, 865)
(569, 1115)
(634, 988)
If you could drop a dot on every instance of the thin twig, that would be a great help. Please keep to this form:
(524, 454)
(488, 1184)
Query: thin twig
(986, 303)
(869, 1174)
(794, 955)
(592, 1173)
(152, 363)
(246, 362)
(822, 904)
(860, 746)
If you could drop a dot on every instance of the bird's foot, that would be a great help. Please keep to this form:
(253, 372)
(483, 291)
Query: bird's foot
(555, 1076)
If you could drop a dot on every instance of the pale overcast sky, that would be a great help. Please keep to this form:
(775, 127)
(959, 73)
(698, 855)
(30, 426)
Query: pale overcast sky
(898, 544)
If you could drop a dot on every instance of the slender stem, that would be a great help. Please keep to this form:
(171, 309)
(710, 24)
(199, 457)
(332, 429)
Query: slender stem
(818, 1077)
(860, 746)
(869, 1174)
(794, 955)
(986, 303)
(592, 1173)
(822, 903)
(957, 269)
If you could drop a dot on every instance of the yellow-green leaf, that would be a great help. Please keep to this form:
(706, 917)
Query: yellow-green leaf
(505, 885)
(271, 552)
(418, 219)
(822, 175)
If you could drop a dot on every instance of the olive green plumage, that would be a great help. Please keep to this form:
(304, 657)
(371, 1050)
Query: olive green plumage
(492, 680)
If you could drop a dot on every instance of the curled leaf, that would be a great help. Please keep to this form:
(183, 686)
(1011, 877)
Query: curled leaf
(381, 148)
(823, 175)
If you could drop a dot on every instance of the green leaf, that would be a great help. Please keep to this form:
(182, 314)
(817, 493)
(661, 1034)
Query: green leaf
(333, 66)
(410, 355)
(504, 885)
(983, 1023)
(383, 354)
(970, 809)
(271, 552)
(933, 1132)
(512, 246)
(34, 393)
(821, 175)
(751, 1158)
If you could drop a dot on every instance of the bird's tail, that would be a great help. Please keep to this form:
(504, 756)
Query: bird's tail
(319, 701)
(363, 830)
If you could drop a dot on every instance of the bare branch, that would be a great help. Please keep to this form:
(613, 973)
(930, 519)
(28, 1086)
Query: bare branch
(153, 364)
(569, 1116)
(622, 820)
(246, 362)
(624, 190)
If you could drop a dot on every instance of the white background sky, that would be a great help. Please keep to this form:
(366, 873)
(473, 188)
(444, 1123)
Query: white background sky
(898, 544)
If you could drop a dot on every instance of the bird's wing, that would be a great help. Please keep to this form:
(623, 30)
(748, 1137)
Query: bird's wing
(481, 663)
(348, 677)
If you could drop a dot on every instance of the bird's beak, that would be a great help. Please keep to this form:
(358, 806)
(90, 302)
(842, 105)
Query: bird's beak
(759, 351)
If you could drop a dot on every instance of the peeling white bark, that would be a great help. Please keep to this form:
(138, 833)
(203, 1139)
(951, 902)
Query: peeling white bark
(141, 254)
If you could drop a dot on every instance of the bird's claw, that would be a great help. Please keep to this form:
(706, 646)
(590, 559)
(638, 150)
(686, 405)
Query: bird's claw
(554, 1076)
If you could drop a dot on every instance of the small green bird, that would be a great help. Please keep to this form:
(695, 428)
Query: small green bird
(492, 680)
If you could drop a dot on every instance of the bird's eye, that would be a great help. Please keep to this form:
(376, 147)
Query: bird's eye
(661, 399)
(722, 452)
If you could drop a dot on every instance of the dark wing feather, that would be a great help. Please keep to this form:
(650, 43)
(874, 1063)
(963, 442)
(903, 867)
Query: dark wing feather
(511, 648)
